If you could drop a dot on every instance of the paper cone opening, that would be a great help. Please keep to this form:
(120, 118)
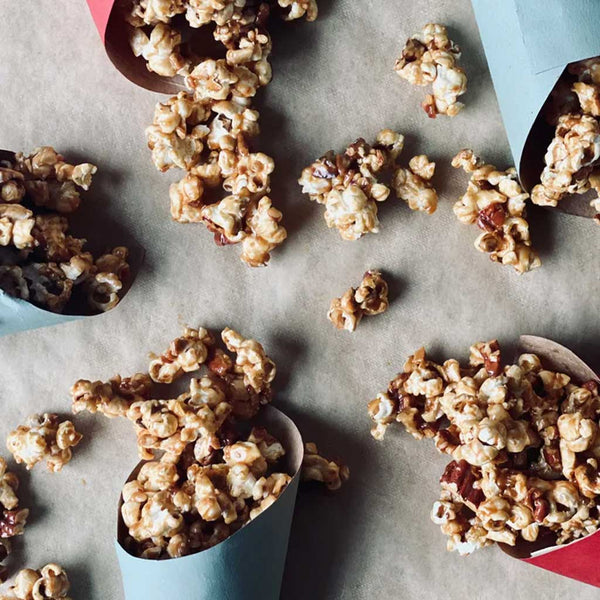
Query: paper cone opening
(554, 357)
(21, 315)
(114, 31)
(248, 564)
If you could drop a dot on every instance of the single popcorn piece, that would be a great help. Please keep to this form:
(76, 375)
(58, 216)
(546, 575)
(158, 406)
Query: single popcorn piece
(430, 57)
(348, 184)
(152, 12)
(318, 468)
(521, 438)
(44, 437)
(296, 9)
(16, 224)
(50, 582)
(413, 184)
(185, 354)
(161, 50)
(495, 201)
(251, 361)
(370, 298)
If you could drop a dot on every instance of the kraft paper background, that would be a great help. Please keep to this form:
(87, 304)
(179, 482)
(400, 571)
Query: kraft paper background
(333, 82)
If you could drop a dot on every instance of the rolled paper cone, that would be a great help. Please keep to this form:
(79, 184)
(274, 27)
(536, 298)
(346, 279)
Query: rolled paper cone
(249, 564)
(20, 315)
(579, 559)
(114, 32)
(528, 44)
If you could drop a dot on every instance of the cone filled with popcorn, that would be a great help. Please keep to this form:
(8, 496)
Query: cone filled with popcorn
(524, 442)
(48, 275)
(223, 532)
(577, 559)
(543, 58)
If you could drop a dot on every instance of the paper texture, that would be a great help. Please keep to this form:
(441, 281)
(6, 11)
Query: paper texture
(333, 81)
(249, 564)
(528, 44)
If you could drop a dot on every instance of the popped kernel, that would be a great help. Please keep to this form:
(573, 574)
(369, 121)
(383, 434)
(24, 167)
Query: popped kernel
(370, 298)
(431, 57)
(43, 437)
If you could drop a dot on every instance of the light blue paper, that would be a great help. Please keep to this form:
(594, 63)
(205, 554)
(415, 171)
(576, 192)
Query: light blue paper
(17, 315)
(248, 565)
(558, 32)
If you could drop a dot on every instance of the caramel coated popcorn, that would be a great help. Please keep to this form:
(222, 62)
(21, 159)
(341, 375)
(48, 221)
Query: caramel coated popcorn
(413, 184)
(207, 130)
(50, 582)
(207, 468)
(47, 265)
(12, 517)
(495, 201)
(43, 437)
(370, 298)
(112, 399)
(177, 506)
(430, 57)
(318, 468)
(573, 156)
(348, 183)
(523, 441)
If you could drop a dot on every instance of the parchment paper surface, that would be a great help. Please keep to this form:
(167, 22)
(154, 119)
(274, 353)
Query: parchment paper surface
(333, 82)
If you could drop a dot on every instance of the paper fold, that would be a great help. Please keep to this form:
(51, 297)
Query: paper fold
(247, 565)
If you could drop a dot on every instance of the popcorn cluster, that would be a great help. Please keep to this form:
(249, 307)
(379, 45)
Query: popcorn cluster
(48, 583)
(495, 201)
(349, 184)
(12, 518)
(42, 262)
(206, 472)
(573, 156)
(430, 57)
(207, 130)
(43, 437)
(524, 442)
(370, 298)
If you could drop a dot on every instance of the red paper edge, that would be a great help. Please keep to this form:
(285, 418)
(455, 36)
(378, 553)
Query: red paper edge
(579, 560)
(101, 10)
